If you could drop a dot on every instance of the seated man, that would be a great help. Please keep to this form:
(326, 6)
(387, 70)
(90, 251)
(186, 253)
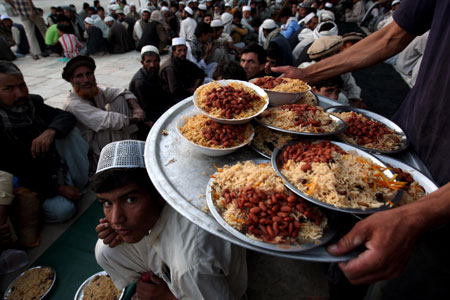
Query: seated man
(275, 40)
(200, 49)
(147, 86)
(118, 38)
(95, 42)
(146, 236)
(104, 114)
(253, 60)
(36, 146)
(180, 76)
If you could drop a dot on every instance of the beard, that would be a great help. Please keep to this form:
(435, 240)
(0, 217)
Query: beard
(86, 93)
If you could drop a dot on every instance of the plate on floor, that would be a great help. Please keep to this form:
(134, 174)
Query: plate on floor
(35, 274)
(85, 288)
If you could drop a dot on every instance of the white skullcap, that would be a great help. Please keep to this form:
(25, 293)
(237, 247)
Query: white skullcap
(194, 1)
(329, 5)
(114, 7)
(189, 10)
(146, 10)
(178, 41)
(6, 17)
(88, 20)
(228, 4)
(164, 8)
(149, 48)
(119, 11)
(226, 18)
(269, 24)
(112, 1)
(202, 7)
(122, 154)
(395, 2)
(216, 23)
(132, 4)
(326, 15)
(109, 19)
(246, 8)
(182, 3)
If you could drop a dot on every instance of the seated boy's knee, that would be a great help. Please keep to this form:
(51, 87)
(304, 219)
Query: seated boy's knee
(58, 209)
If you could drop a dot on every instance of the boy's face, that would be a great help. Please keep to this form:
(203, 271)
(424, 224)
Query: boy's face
(130, 210)
(331, 92)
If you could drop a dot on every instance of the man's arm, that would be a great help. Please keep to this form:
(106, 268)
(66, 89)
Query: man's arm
(62, 122)
(389, 237)
(375, 48)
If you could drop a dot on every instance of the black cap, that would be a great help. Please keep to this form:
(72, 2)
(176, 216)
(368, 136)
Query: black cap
(76, 62)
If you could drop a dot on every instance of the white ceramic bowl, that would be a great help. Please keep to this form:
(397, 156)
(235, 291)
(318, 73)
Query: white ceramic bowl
(255, 88)
(206, 150)
(282, 98)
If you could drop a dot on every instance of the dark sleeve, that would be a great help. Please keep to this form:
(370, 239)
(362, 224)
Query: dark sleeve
(197, 73)
(136, 87)
(415, 16)
(61, 121)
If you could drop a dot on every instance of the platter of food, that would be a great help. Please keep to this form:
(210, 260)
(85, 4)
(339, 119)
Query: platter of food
(250, 201)
(370, 131)
(266, 140)
(212, 138)
(417, 184)
(282, 91)
(33, 284)
(301, 119)
(181, 175)
(337, 176)
(231, 101)
(98, 287)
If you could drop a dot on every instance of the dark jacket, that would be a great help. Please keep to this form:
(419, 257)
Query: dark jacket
(283, 48)
(37, 174)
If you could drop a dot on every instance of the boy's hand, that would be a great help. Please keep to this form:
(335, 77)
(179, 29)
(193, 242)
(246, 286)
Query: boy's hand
(108, 234)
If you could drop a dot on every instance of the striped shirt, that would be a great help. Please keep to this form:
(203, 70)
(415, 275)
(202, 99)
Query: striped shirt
(70, 45)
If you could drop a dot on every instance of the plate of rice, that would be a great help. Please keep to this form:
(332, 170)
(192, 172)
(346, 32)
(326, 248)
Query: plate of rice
(417, 185)
(212, 138)
(251, 202)
(337, 176)
(301, 119)
(266, 140)
(282, 90)
(370, 131)
(99, 287)
(230, 101)
(34, 283)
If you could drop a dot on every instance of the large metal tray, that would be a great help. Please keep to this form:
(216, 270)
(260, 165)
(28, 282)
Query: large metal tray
(376, 117)
(80, 292)
(388, 173)
(329, 232)
(181, 176)
(8, 290)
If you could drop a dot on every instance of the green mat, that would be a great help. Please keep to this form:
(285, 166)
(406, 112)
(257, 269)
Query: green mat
(72, 255)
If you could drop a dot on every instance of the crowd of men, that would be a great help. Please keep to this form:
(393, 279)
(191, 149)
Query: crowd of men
(48, 154)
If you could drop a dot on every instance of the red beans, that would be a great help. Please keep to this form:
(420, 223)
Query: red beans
(365, 130)
(230, 101)
(309, 152)
(225, 135)
(268, 83)
(271, 216)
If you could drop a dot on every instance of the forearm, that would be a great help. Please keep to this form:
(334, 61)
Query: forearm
(132, 103)
(375, 48)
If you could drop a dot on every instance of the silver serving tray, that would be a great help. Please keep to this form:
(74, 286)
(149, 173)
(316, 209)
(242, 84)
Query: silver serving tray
(329, 232)
(346, 147)
(341, 126)
(181, 175)
(80, 292)
(376, 117)
(8, 290)
(428, 184)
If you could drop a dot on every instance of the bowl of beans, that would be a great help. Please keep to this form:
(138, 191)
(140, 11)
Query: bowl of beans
(230, 101)
(282, 91)
(212, 138)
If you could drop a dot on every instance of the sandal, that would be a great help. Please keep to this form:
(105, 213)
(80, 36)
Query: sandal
(35, 57)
